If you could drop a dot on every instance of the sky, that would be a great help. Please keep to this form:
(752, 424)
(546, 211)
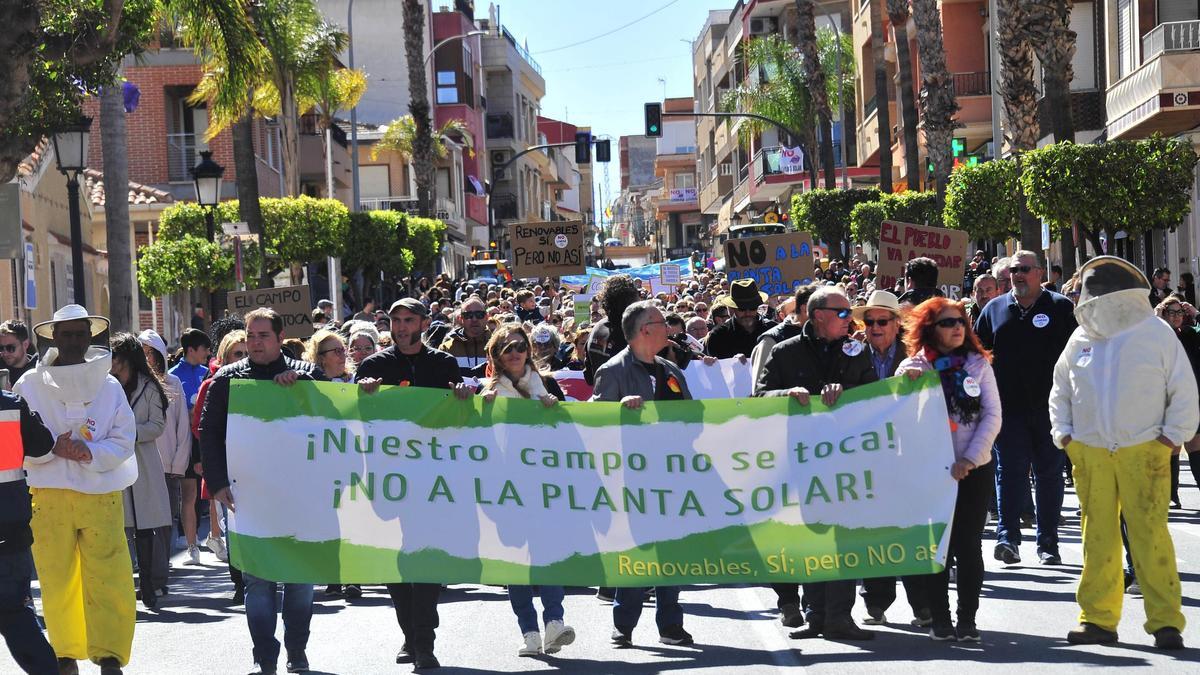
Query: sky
(603, 82)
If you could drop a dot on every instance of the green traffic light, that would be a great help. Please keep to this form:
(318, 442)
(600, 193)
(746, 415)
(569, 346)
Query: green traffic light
(653, 128)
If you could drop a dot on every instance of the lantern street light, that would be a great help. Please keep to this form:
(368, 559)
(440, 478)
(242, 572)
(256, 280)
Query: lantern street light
(206, 176)
(71, 155)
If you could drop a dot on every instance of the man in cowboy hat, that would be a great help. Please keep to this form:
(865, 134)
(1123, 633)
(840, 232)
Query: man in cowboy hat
(78, 523)
(881, 321)
(738, 337)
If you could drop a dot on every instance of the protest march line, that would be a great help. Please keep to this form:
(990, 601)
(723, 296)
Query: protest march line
(410, 484)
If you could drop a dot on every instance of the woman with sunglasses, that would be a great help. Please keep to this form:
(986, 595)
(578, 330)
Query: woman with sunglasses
(512, 374)
(939, 337)
(326, 351)
(1180, 316)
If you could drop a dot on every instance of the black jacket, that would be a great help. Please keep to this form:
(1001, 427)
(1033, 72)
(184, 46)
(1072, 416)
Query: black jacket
(810, 362)
(14, 374)
(215, 416)
(730, 339)
(1025, 344)
(782, 331)
(35, 440)
(427, 368)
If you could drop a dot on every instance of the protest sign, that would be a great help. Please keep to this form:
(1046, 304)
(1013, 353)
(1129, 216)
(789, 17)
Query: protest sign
(900, 242)
(727, 378)
(669, 274)
(293, 303)
(546, 249)
(778, 263)
(574, 385)
(411, 484)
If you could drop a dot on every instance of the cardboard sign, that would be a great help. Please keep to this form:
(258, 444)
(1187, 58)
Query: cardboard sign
(669, 274)
(901, 242)
(778, 263)
(546, 249)
(294, 304)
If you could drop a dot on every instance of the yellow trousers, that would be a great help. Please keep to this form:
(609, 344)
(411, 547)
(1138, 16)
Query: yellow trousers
(1135, 482)
(86, 576)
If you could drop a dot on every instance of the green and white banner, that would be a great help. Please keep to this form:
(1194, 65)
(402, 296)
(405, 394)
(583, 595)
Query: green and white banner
(409, 484)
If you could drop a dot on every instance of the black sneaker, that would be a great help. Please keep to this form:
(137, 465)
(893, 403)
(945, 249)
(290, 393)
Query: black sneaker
(111, 666)
(1049, 558)
(404, 655)
(352, 591)
(260, 669)
(1007, 553)
(675, 635)
(791, 616)
(1091, 634)
(846, 629)
(425, 661)
(967, 632)
(1168, 638)
(68, 667)
(622, 638)
(942, 631)
(607, 595)
(297, 662)
(810, 631)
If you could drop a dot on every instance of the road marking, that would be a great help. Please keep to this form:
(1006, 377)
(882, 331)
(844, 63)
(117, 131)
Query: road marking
(778, 646)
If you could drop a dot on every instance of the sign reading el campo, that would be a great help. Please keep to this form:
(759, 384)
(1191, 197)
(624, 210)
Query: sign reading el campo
(411, 484)
(293, 303)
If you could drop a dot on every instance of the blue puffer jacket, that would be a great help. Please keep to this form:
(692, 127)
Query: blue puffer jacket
(22, 435)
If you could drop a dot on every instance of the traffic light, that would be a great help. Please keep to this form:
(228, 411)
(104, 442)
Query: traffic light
(603, 151)
(583, 147)
(654, 120)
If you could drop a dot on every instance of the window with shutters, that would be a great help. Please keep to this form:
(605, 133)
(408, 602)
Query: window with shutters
(1178, 10)
(1126, 49)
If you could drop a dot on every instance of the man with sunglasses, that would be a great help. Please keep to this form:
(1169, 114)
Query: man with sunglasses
(881, 321)
(822, 360)
(738, 337)
(1027, 330)
(790, 327)
(468, 342)
(14, 350)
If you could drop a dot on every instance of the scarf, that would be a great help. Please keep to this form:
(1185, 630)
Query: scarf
(952, 370)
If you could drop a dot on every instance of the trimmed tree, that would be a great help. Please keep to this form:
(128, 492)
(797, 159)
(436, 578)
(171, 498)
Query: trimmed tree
(908, 207)
(826, 213)
(375, 245)
(984, 200)
(171, 265)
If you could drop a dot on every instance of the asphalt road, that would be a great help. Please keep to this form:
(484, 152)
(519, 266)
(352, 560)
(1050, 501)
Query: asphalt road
(1025, 613)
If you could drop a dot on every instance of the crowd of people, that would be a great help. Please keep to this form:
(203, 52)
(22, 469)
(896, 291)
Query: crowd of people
(122, 441)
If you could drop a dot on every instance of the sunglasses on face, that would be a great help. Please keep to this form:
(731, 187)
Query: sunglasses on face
(951, 322)
(842, 312)
(1021, 269)
(518, 347)
(239, 354)
(476, 315)
(877, 322)
(8, 348)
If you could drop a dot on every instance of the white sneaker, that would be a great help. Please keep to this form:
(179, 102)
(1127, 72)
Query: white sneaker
(193, 555)
(533, 644)
(558, 635)
(217, 546)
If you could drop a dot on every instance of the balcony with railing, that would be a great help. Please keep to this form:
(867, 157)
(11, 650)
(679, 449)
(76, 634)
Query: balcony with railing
(499, 125)
(403, 203)
(1160, 95)
(182, 155)
(504, 207)
(972, 84)
(521, 51)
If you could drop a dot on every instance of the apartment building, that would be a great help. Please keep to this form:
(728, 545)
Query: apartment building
(677, 230)
(515, 87)
(634, 207)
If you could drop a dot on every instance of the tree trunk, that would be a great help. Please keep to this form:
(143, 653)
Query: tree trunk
(116, 208)
(818, 89)
(882, 112)
(289, 120)
(1019, 96)
(249, 208)
(418, 105)
(898, 15)
(938, 102)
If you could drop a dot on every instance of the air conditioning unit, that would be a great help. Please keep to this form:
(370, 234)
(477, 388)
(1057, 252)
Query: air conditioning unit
(764, 25)
(499, 158)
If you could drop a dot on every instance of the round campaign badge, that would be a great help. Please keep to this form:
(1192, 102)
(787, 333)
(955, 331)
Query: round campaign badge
(852, 348)
(560, 240)
(971, 386)
(1085, 357)
(1041, 321)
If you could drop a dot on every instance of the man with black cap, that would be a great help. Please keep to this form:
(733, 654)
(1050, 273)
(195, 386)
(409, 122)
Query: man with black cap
(738, 337)
(409, 362)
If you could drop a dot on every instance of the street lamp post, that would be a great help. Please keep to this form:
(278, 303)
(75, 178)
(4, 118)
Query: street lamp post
(71, 155)
(450, 39)
(207, 179)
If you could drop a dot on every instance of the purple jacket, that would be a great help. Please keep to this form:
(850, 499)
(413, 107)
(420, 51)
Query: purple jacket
(972, 442)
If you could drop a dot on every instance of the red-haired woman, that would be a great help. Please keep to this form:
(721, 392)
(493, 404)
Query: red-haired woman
(939, 337)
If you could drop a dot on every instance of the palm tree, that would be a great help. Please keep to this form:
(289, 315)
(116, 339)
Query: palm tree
(897, 11)
(1019, 97)
(116, 206)
(782, 95)
(418, 104)
(806, 38)
(401, 134)
(1048, 31)
(882, 114)
(938, 103)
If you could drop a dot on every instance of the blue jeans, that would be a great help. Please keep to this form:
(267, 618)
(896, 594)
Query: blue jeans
(627, 607)
(261, 612)
(521, 598)
(18, 624)
(1024, 442)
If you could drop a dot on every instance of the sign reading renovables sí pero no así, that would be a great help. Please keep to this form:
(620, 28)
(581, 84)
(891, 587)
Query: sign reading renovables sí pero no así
(411, 484)
(552, 249)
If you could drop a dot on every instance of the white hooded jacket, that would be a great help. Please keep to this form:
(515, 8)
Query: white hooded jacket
(1124, 377)
(87, 401)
